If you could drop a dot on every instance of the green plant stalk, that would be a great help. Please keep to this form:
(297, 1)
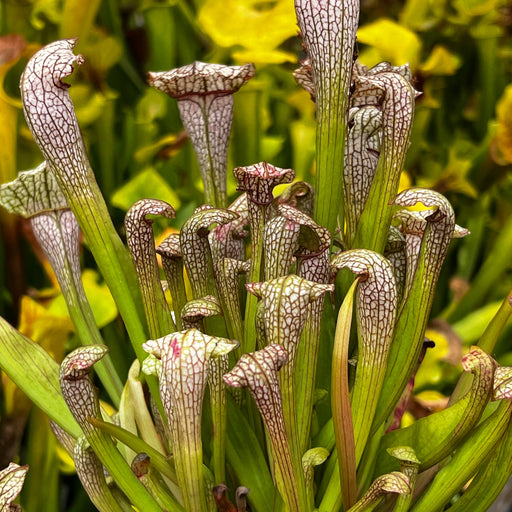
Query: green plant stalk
(28, 365)
(306, 367)
(328, 480)
(491, 334)
(214, 194)
(286, 303)
(376, 306)
(122, 500)
(111, 257)
(161, 495)
(287, 379)
(285, 476)
(218, 400)
(174, 273)
(138, 445)
(41, 488)
(330, 144)
(367, 465)
(487, 485)
(188, 461)
(258, 216)
(375, 313)
(182, 361)
(227, 277)
(410, 327)
(258, 372)
(340, 404)
(88, 333)
(189, 470)
(120, 471)
(328, 31)
(313, 457)
(465, 462)
(140, 410)
(404, 501)
(314, 265)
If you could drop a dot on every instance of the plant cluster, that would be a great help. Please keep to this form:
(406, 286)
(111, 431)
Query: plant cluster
(276, 337)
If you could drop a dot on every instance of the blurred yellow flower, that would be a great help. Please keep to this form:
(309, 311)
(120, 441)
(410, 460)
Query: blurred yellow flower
(48, 329)
(253, 28)
(441, 62)
(430, 371)
(389, 41)
(405, 181)
(502, 146)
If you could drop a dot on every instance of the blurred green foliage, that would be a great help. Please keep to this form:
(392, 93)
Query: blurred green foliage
(460, 54)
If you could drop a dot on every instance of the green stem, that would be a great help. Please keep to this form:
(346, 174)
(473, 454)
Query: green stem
(218, 367)
(306, 367)
(258, 214)
(330, 143)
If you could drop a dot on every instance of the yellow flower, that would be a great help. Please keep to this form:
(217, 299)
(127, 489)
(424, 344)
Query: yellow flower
(255, 31)
(441, 62)
(387, 40)
(503, 140)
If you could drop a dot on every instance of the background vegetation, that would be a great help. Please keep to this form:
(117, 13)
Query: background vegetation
(460, 53)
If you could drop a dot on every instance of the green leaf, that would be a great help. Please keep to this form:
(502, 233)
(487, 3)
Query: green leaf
(137, 445)
(489, 482)
(435, 436)
(466, 460)
(146, 184)
(36, 374)
(342, 414)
